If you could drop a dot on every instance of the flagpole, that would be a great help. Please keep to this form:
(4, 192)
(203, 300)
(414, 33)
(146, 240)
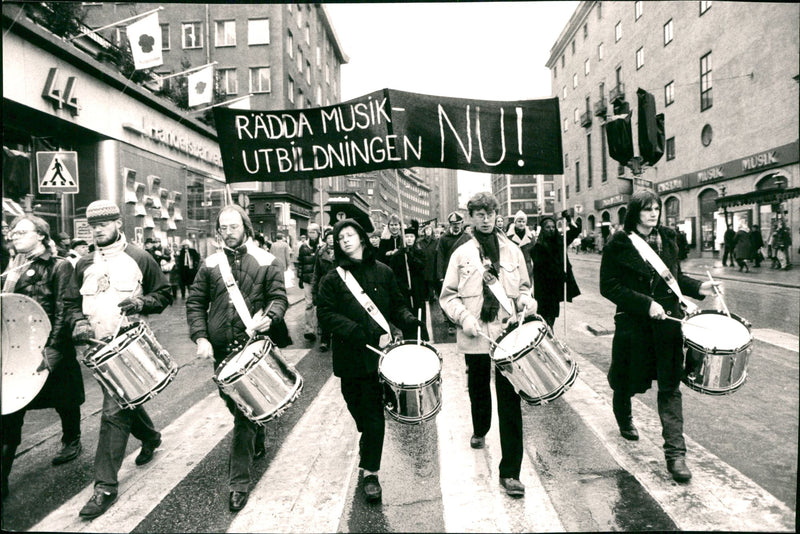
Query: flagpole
(564, 196)
(227, 102)
(115, 23)
(201, 67)
(402, 233)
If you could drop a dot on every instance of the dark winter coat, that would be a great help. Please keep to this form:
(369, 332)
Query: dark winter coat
(416, 266)
(351, 327)
(325, 263)
(741, 245)
(209, 309)
(548, 273)
(644, 349)
(444, 250)
(187, 273)
(45, 281)
(428, 245)
(393, 242)
(306, 258)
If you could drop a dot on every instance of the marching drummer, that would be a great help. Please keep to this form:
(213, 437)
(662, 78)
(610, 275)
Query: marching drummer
(358, 319)
(217, 327)
(118, 279)
(487, 284)
(640, 273)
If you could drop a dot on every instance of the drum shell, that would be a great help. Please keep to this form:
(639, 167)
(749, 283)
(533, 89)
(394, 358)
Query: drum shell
(133, 367)
(714, 371)
(411, 404)
(542, 370)
(264, 387)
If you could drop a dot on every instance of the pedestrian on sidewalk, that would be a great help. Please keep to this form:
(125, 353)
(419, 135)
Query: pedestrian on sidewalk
(326, 262)
(118, 280)
(756, 243)
(548, 268)
(306, 257)
(444, 249)
(647, 347)
(729, 242)
(469, 299)
(741, 247)
(782, 243)
(356, 324)
(219, 331)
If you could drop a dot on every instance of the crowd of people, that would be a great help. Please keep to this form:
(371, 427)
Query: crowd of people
(362, 291)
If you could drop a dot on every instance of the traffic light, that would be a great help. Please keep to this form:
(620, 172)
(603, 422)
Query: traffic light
(650, 128)
(620, 138)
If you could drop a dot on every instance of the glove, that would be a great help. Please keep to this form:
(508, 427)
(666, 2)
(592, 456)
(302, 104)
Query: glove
(131, 305)
(471, 326)
(82, 332)
(528, 304)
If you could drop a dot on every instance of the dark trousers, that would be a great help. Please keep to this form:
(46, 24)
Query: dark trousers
(364, 398)
(116, 424)
(670, 411)
(70, 425)
(509, 411)
(243, 446)
(728, 251)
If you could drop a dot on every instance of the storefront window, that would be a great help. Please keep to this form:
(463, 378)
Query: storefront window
(671, 211)
(204, 198)
(708, 215)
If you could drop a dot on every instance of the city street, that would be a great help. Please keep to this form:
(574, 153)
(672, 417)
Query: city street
(580, 475)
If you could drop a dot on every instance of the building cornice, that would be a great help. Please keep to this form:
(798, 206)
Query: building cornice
(569, 31)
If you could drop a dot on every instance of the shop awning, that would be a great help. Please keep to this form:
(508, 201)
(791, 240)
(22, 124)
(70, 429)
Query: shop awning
(762, 196)
(12, 208)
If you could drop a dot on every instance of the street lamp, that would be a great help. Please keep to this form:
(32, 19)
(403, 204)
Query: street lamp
(724, 206)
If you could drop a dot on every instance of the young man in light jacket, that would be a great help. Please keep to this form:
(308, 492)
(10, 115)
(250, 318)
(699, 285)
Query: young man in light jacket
(467, 299)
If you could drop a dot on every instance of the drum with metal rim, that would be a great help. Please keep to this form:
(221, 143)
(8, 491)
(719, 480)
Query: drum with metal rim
(411, 373)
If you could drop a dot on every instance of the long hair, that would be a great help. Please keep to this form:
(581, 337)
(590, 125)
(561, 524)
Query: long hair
(40, 226)
(640, 200)
(338, 253)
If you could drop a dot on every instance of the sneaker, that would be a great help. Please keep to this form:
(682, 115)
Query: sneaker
(513, 487)
(98, 504)
(68, 452)
(477, 442)
(148, 449)
(310, 336)
(372, 488)
(323, 347)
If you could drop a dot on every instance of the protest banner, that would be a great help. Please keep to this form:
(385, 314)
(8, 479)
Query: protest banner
(391, 129)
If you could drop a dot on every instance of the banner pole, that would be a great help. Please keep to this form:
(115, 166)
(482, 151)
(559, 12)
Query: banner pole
(564, 196)
(403, 233)
(321, 205)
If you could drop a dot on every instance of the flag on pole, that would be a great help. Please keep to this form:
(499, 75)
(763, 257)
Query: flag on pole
(201, 86)
(145, 38)
(241, 103)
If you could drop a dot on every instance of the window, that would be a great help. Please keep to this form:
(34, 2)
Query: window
(668, 32)
(704, 6)
(260, 80)
(319, 57)
(706, 99)
(586, 67)
(308, 72)
(164, 36)
(599, 10)
(327, 74)
(566, 160)
(640, 58)
(670, 148)
(600, 52)
(562, 61)
(669, 93)
(121, 36)
(576, 115)
(300, 97)
(308, 34)
(555, 71)
(637, 9)
(299, 16)
(574, 81)
(225, 34)
(572, 45)
(566, 124)
(589, 160)
(603, 159)
(618, 31)
(319, 95)
(227, 81)
(192, 34)
(289, 43)
(566, 190)
(290, 90)
(564, 93)
(619, 75)
(354, 182)
(258, 31)
(299, 60)
(585, 31)
(577, 176)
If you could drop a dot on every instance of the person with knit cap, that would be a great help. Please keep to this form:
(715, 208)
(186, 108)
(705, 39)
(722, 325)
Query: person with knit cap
(548, 268)
(522, 236)
(408, 265)
(118, 280)
(489, 258)
(455, 232)
(353, 328)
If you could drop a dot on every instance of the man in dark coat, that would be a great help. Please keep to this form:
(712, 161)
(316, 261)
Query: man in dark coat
(306, 258)
(428, 243)
(35, 272)
(548, 269)
(756, 242)
(188, 264)
(646, 347)
(728, 240)
(443, 252)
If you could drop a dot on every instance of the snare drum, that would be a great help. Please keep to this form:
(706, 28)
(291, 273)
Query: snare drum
(259, 380)
(538, 366)
(717, 352)
(132, 367)
(411, 371)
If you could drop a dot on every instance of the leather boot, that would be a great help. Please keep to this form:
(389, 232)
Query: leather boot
(7, 459)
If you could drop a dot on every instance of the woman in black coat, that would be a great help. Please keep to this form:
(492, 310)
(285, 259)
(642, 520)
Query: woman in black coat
(548, 269)
(352, 329)
(647, 347)
(37, 273)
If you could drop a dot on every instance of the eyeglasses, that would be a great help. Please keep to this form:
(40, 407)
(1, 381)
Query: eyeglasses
(19, 233)
(232, 228)
(484, 216)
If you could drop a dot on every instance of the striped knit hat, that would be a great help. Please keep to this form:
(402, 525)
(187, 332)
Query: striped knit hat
(102, 211)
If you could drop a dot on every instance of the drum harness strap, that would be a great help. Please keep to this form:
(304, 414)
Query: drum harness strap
(235, 293)
(366, 302)
(652, 258)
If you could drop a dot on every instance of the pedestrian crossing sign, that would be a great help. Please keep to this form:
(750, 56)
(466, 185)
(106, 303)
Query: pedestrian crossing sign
(57, 171)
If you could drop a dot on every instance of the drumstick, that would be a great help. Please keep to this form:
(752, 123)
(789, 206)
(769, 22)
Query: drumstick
(419, 326)
(493, 342)
(119, 325)
(718, 293)
(376, 351)
(683, 321)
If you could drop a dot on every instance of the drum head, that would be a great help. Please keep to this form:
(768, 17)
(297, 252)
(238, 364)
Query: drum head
(237, 364)
(512, 341)
(716, 331)
(25, 327)
(410, 364)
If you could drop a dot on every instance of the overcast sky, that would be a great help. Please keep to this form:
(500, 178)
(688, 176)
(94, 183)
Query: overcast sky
(481, 50)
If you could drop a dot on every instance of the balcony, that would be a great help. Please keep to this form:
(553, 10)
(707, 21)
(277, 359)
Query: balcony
(617, 93)
(586, 119)
(600, 108)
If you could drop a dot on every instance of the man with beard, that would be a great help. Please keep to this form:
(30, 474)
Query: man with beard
(216, 326)
(118, 279)
(485, 286)
(443, 252)
(548, 268)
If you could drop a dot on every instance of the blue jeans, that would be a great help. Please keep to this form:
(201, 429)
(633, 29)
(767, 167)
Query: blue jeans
(116, 425)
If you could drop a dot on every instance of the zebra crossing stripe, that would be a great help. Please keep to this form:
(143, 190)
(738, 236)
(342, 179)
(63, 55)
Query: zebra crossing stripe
(719, 497)
(472, 498)
(184, 441)
(305, 487)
